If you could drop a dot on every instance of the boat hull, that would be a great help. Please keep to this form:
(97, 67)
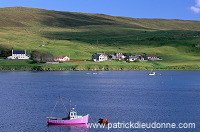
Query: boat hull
(152, 74)
(82, 120)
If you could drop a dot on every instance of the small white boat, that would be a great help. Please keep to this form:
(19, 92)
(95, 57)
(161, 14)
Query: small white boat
(152, 73)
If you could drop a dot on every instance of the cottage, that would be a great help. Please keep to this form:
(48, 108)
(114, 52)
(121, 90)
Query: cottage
(99, 57)
(19, 54)
(151, 57)
(133, 58)
(116, 55)
(61, 58)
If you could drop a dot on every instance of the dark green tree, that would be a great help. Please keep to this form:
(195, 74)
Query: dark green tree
(39, 57)
(36, 56)
(47, 57)
(6, 52)
(137, 60)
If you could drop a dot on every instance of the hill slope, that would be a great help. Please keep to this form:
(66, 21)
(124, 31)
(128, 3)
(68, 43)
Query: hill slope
(22, 17)
(79, 35)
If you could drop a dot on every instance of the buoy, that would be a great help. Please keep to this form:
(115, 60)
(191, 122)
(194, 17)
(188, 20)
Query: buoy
(103, 121)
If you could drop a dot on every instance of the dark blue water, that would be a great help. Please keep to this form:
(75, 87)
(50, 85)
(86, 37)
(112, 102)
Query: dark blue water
(27, 98)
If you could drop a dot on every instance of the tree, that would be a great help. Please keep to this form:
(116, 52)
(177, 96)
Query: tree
(6, 53)
(47, 57)
(127, 54)
(38, 57)
(137, 60)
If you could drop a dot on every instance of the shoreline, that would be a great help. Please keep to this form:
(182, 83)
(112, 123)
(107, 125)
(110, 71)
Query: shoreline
(109, 70)
(28, 65)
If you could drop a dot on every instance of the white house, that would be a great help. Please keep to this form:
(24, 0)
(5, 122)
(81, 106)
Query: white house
(133, 58)
(19, 54)
(99, 57)
(116, 55)
(61, 58)
(151, 57)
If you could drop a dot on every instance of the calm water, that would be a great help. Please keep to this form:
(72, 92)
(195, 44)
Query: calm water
(27, 98)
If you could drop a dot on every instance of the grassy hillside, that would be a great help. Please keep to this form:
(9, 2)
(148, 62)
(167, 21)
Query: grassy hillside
(79, 35)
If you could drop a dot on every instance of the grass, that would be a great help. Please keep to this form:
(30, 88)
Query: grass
(89, 65)
(79, 35)
(81, 65)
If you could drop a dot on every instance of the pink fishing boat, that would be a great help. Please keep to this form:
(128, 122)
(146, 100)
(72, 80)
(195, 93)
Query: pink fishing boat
(72, 118)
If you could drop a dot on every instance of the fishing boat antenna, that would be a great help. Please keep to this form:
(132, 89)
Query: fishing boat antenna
(69, 104)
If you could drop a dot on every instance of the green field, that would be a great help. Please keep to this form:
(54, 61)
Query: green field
(79, 35)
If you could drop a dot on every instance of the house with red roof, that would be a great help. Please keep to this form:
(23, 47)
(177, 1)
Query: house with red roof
(61, 58)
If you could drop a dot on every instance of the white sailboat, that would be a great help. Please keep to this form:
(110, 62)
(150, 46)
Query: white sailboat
(152, 73)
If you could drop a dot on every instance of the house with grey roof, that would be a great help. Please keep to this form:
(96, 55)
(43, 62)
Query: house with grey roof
(116, 55)
(152, 57)
(197, 46)
(19, 54)
(133, 58)
(99, 57)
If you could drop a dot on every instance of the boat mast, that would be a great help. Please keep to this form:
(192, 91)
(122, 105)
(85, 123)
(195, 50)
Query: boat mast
(63, 104)
(69, 104)
(54, 108)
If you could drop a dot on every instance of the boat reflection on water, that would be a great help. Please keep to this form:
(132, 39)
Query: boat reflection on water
(71, 127)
